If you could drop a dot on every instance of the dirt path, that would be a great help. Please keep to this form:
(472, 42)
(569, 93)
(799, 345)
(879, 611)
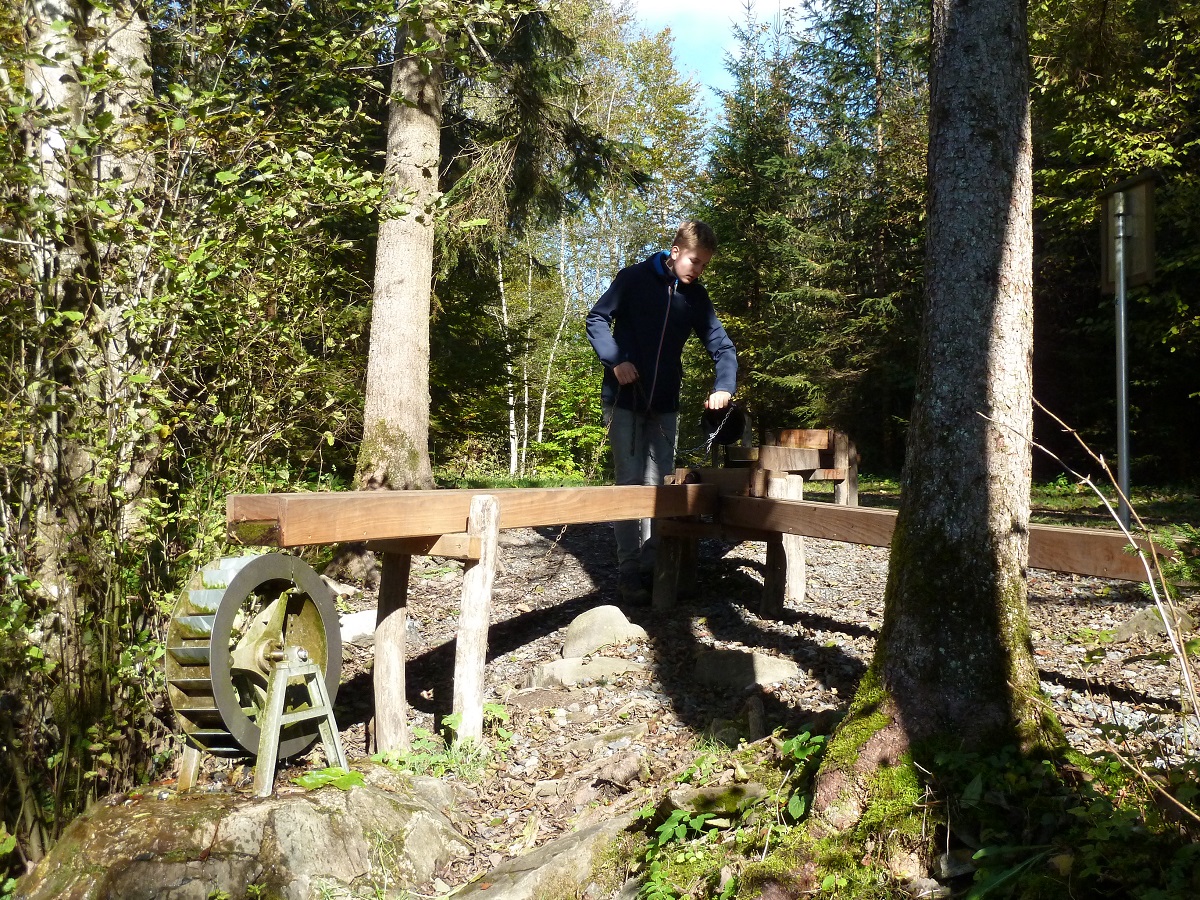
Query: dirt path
(578, 755)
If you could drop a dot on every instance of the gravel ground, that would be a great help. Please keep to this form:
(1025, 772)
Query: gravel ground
(586, 753)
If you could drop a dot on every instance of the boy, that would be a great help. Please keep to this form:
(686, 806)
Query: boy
(652, 307)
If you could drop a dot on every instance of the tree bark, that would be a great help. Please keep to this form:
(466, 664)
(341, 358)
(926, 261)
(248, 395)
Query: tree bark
(395, 444)
(89, 441)
(953, 666)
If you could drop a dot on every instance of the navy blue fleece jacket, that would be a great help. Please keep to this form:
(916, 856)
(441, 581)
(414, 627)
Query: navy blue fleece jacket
(645, 317)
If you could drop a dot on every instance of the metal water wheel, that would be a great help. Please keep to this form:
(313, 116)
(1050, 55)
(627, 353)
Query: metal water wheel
(236, 616)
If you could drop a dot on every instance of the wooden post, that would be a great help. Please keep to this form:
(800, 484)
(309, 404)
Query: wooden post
(795, 576)
(391, 628)
(474, 616)
(689, 567)
(845, 457)
(783, 581)
(189, 769)
(666, 572)
(775, 576)
(774, 580)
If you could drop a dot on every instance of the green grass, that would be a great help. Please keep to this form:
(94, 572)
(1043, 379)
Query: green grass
(1058, 502)
(476, 482)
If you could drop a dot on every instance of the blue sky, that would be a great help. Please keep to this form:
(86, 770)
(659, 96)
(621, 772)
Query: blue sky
(703, 31)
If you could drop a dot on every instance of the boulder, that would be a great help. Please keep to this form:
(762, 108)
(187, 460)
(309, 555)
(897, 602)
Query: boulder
(555, 869)
(739, 669)
(599, 627)
(296, 846)
(719, 800)
(567, 672)
(1149, 621)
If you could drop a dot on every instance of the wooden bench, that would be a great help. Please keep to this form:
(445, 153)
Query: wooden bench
(815, 454)
(466, 525)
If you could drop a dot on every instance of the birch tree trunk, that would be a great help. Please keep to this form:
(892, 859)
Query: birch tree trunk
(562, 324)
(93, 439)
(395, 444)
(511, 387)
(953, 666)
(89, 440)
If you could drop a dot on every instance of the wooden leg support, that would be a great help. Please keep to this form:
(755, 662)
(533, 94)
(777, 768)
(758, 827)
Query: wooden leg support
(784, 581)
(391, 707)
(189, 769)
(474, 616)
(666, 572)
(689, 567)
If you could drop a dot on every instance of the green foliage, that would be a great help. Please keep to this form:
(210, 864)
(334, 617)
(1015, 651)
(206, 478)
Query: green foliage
(1038, 824)
(187, 311)
(802, 753)
(815, 187)
(678, 842)
(1115, 95)
(333, 775)
(430, 755)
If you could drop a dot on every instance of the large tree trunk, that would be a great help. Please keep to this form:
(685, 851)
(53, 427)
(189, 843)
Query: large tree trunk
(88, 438)
(954, 665)
(395, 445)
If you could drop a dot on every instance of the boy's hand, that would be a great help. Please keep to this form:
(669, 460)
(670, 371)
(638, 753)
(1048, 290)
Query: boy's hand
(627, 373)
(717, 400)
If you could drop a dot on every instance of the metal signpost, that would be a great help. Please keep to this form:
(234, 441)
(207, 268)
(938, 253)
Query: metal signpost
(1127, 245)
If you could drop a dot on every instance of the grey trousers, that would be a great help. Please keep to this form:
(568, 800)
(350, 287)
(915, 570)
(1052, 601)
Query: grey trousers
(643, 453)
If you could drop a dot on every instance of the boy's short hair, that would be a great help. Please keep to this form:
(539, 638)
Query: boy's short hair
(695, 235)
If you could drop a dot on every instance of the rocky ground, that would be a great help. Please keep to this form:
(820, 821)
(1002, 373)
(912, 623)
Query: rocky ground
(576, 755)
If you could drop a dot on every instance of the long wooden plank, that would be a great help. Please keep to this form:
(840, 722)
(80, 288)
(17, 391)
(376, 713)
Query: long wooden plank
(449, 546)
(727, 481)
(1084, 551)
(788, 459)
(808, 438)
(719, 531)
(1081, 551)
(291, 520)
(855, 525)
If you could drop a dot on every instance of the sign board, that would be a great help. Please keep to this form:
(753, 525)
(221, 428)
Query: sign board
(1139, 233)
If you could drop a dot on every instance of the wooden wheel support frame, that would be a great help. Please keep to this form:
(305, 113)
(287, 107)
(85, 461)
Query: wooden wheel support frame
(465, 525)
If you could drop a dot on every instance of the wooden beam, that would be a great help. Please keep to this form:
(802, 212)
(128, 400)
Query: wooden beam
(1081, 551)
(391, 638)
(855, 525)
(460, 545)
(807, 438)
(719, 531)
(291, 520)
(788, 459)
(727, 481)
(1085, 551)
(825, 475)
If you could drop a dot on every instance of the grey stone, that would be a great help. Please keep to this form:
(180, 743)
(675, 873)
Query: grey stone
(557, 867)
(955, 863)
(568, 672)
(294, 846)
(739, 669)
(926, 889)
(339, 589)
(359, 627)
(1149, 621)
(729, 800)
(599, 627)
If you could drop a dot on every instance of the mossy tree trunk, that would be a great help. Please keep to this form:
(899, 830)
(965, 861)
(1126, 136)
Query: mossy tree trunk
(395, 445)
(954, 665)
